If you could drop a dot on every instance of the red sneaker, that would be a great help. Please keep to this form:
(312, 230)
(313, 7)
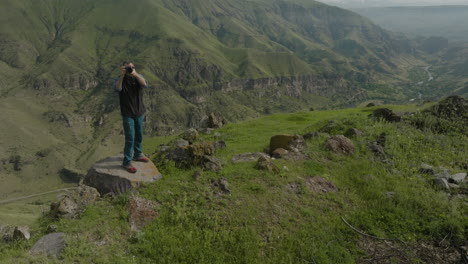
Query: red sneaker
(142, 159)
(130, 168)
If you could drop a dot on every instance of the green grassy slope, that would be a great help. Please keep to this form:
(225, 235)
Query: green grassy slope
(241, 58)
(263, 220)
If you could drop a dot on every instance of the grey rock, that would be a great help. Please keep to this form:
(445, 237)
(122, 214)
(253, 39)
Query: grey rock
(378, 151)
(444, 175)
(265, 164)
(206, 130)
(6, 233)
(191, 135)
(50, 245)
(211, 163)
(181, 143)
(340, 145)
(216, 134)
(221, 186)
(458, 178)
(220, 144)
(216, 120)
(426, 169)
(246, 157)
(441, 183)
(107, 175)
(294, 143)
(353, 132)
(453, 186)
(74, 203)
(390, 195)
(21, 233)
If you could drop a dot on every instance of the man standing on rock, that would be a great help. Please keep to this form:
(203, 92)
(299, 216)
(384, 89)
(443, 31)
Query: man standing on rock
(130, 86)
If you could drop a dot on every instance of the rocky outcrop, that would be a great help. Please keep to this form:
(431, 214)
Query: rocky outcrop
(108, 175)
(73, 204)
(21, 233)
(340, 145)
(216, 120)
(266, 164)
(295, 143)
(50, 245)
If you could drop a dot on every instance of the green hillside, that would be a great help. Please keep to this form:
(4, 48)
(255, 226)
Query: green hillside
(241, 58)
(278, 218)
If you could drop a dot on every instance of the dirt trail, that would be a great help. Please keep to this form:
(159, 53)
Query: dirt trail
(35, 195)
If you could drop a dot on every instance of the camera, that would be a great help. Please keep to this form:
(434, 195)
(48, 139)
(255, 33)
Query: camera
(129, 69)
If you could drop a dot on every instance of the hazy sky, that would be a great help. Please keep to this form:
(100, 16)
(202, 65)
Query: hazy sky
(364, 3)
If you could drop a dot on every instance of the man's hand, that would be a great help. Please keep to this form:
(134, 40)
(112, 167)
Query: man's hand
(122, 71)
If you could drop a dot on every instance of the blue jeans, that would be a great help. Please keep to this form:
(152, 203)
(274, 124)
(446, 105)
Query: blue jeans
(133, 129)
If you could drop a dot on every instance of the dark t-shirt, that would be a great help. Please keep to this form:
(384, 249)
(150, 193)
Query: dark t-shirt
(131, 97)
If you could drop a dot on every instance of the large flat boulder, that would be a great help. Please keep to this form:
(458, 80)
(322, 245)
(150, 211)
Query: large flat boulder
(108, 175)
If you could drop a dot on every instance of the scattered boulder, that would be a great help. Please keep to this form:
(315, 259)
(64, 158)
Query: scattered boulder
(108, 176)
(320, 185)
(265, 164)
(206, 130)
(353, 132)
(385, 114)
(21, 233)
(50, 245)
(378, 151)
(340, 145)
(294, 143)
(441, 183)
(179, 143)
(220, 144)
(74, 203)
(211, 163)
(279, 152)
(190, 135)
(390, 195)
(140, 212)
(216, 120)
(246, 157)
(6, 233)
(457, 178)
(426, 169)
(443, 174)
(220, 186)
(370, 105)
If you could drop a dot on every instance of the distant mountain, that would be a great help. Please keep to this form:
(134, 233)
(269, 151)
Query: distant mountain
(390, 3)
(443, 21)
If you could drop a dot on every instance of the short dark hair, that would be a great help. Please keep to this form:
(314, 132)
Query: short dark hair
(126, 62)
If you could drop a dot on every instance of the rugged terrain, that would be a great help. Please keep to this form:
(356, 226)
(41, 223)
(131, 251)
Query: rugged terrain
(391, 191)
(242, 58)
